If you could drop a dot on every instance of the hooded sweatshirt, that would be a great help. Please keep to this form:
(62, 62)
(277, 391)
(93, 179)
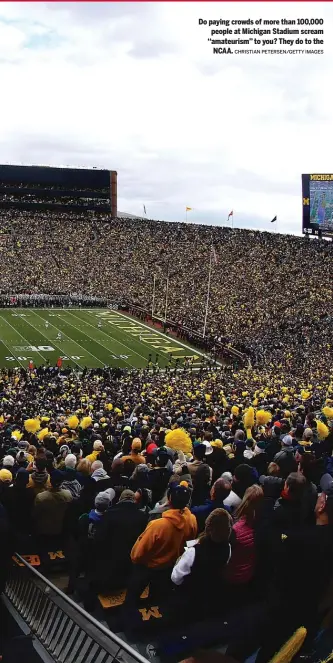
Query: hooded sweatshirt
(164, 539)
(99, 474)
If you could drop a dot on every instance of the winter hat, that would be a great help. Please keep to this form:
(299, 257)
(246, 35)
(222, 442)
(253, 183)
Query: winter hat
(98, 446)
(8, 460)
(227, 476)
(179, 495)
(57, 478)
(70, 461)
(218, 444)
(6, 476)
(23, 444)
(136, 444)
(21, 457)
(104, 499)
(219, 525)
(22, 477)
(127, 495)
(287, 440)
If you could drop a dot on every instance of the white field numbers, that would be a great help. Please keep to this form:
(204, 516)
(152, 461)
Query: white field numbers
(39, 348)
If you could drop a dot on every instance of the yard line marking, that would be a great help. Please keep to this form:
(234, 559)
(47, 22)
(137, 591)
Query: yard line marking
(164, 336)
(56, 345)
(91, 338)
(73, 341)
(25, 339)
(142, 340)
(9, 351)
(112, 338)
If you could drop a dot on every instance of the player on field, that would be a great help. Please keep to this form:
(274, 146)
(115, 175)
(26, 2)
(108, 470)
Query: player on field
(46, 325)
(59, 337)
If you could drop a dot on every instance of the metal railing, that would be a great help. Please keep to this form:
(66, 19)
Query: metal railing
(66, 631)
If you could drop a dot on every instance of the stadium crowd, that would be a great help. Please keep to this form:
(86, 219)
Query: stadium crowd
(271, 295)
(187, 482)
(201, 484)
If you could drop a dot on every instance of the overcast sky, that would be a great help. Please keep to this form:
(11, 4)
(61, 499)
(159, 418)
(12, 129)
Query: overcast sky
(136, 88)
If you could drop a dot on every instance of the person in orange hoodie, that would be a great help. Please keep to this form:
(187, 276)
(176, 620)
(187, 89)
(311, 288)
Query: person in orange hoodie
(159, 546)
(135, 454)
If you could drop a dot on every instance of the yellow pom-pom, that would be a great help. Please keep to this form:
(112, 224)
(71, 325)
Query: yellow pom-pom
(86, 422)
(305, 395)
(263, 417)
(208, 398)
(235, 410)
(249, 418)
(45, 419)
(328, 412)
(179, 440)
(117, 410)
(32, 425)
(17, 434)
(291, 647)
(43, 433)
(322, 429)
(73, 422)
(255, 402)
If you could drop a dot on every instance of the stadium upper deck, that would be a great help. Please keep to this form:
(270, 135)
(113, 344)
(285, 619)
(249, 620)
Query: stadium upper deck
(44, 187)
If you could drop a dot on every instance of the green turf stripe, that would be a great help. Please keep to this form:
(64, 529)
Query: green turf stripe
(66, 324)
(63, 352)
(18, 334)
(114, 339)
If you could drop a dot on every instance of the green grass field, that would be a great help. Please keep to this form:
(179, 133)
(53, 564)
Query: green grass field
(121, 341)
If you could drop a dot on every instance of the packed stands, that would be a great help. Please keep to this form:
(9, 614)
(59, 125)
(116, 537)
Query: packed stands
(271, 295)
(201, 500)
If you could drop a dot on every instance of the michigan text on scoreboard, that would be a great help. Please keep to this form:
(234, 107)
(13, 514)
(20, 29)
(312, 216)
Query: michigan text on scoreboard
(317, 204)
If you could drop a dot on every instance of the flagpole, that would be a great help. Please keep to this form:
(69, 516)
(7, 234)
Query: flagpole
(185, 215)
(232, 220)
(208, 292)
(166, 296)
(153, 303)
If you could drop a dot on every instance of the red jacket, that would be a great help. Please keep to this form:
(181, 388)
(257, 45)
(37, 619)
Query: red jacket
(241, 567)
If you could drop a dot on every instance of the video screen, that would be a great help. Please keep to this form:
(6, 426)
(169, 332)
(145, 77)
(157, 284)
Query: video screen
(317, 203)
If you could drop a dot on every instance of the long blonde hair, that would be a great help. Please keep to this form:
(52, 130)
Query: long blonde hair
(252, 499)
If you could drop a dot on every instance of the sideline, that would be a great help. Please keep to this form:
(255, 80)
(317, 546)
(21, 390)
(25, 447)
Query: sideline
(164, 336)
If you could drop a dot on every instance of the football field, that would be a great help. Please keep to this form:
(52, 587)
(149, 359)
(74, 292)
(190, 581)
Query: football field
(86, 337)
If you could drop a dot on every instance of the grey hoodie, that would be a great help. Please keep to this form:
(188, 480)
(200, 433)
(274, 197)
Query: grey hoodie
(99, 474)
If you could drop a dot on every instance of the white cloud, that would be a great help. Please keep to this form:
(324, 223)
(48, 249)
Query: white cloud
(135, 87)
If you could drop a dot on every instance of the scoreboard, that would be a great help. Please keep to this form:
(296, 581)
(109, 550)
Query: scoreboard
(317, 203)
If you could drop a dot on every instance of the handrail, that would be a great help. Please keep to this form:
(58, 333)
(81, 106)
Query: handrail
(35, 598)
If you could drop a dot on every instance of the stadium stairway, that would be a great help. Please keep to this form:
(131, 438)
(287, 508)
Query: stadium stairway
(46, 625)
